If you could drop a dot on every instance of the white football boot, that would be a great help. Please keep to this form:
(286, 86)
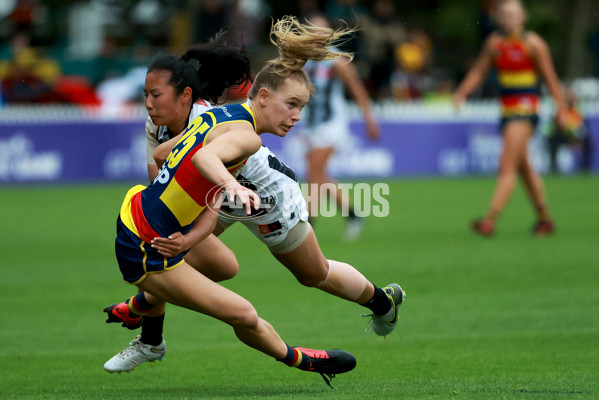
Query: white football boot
(136, 353)
(384, 324)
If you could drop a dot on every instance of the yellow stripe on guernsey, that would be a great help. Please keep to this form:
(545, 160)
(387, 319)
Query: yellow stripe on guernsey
(249, 109)
(517, 79)
(183, 207)
(126, 216)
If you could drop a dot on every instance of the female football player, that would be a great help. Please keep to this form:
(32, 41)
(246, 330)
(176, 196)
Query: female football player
(180, 201)
(289, 237)
(520, 57)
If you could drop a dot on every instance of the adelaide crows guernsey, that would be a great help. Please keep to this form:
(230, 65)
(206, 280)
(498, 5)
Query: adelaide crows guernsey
(180, 193)
(518, 77)
(160, 134)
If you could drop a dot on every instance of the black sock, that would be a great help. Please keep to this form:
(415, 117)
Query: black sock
(380, 303)
(351, 214)
(151, 330)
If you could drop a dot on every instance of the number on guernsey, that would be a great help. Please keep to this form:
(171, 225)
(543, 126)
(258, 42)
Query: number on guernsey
(163, 175)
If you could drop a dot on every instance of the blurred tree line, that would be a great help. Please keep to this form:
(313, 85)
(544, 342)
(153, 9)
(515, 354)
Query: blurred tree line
(457, 27)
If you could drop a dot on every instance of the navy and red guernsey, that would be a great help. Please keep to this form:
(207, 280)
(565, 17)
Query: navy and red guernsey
(180, 193)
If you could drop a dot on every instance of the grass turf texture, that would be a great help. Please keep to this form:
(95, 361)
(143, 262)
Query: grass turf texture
(508, 317)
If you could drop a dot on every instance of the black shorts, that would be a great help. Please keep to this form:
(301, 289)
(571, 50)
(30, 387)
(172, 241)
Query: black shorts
(532, 118)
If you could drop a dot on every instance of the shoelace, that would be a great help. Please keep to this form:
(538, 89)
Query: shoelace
(328, 378)
(134, 344)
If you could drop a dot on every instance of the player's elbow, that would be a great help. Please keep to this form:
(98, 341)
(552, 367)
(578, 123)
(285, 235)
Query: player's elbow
(159, 156)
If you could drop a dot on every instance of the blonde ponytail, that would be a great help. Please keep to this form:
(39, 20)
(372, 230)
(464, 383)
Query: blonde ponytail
(297, 43)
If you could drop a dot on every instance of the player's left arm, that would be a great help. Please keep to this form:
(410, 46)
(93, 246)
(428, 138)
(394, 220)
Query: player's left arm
(151, 144)
(542, 56)
(347, 72)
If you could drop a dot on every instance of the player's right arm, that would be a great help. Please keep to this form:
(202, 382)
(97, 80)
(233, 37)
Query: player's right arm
(232, 145)
(477, 73)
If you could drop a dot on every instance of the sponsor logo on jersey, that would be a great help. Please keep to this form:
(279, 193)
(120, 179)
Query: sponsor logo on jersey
(235, 209)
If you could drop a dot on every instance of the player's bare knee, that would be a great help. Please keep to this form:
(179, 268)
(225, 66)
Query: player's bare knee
(245, 317)
(229, 269)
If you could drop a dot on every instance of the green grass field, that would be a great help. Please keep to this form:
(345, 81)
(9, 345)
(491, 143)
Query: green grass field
(512, 317)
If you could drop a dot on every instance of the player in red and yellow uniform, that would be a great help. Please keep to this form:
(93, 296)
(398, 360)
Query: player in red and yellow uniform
(518, 78)
(174, 200)
(520, 57)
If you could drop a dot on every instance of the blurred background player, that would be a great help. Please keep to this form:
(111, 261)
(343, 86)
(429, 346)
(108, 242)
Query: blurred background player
(520, 57)
(172, 99)
(327, 126)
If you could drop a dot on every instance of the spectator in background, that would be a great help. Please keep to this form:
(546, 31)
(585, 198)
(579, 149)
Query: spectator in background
(413, 57)
(26, 77)
(211, 19)
(76, 90)
(594, 46)
(126, 87)
(305, 8)
(574, 133)
(245, 21)
(350, 12)
(29, 78)
(383, 33)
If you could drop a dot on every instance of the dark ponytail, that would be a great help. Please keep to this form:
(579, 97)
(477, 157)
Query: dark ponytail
(207, 68)
(220, 66)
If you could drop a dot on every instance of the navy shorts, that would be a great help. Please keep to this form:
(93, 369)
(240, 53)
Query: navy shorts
(532, 118)
(137, 258)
